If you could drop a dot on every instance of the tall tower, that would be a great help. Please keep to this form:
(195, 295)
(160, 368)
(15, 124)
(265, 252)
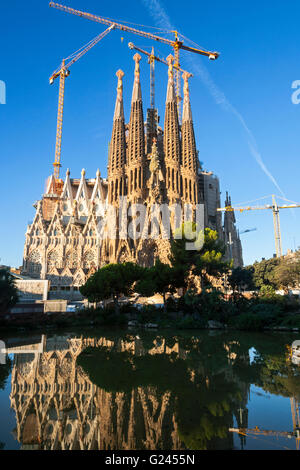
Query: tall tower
(172, 140)
(189, 166)
(136, 141)
(231, 236)
(117, 150)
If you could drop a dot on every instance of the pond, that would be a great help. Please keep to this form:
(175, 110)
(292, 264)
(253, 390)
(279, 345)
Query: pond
(160, 390)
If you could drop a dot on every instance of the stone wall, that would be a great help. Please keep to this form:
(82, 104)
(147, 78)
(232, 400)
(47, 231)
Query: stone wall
(32, 289)
(54, 306)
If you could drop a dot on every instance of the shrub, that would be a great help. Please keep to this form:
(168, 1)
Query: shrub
(268, 313)
(190, 322)
(249, 321)
(293, 321)
(171, 305)
(149, 313)
(267, 292)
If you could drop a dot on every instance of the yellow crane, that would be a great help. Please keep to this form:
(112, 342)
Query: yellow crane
(276, 221)
(176, 44)
(293, 352)
(266, 432)
(63, 72)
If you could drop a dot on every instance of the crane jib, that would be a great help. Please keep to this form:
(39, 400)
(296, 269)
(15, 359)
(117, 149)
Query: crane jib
(175, 44)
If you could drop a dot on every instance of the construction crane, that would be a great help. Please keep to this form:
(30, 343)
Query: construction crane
(265, 432)
(292, 356)
(151, 60)
(175, 44)
(63, 72)
(275, 209)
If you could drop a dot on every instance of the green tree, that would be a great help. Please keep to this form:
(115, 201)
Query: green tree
(111, 281)
(206, 260)
(264, 273)
(181, 259)
(159, 279)
(240, 278)
(8, 291)
(210, 261)
(287, 273)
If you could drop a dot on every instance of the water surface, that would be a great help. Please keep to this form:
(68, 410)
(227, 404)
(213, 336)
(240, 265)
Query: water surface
(114, 390)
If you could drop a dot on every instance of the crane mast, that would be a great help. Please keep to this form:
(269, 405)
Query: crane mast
(176, 45)
(63, 72)
(277, 234)
(61, 96)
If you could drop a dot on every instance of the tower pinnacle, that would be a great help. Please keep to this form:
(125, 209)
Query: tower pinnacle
(187, 112)
(172, 139)
(170, 90)
(136, 139)
(189, 152)
(119, 110)
(136, 93)
(117, 149)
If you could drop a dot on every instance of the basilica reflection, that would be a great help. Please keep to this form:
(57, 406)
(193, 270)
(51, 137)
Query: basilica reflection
(140, 391)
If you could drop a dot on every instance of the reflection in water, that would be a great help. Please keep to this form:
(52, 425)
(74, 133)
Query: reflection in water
(143, 392)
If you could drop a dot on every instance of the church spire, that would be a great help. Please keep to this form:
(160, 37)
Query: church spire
(119, 108)
(189, 152)
(117, 149)
(136, 137)
(187, 112)
(172, 138)
(171, 88)
(136, 92)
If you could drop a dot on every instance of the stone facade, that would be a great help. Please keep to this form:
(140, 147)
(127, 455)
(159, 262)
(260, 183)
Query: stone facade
(63, 244)
(32, 289)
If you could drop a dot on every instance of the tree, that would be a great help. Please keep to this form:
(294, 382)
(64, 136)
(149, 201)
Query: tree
(157, 280)
(264, 272)
(112, 280)
(8, 291)
(240, 278)
(210, 262)
(205, 261)
(287, 273)
(181, 259)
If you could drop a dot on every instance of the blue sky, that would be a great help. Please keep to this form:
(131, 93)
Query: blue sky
(247, 128)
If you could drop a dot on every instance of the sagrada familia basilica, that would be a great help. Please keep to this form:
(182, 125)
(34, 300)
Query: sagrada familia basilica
(147, 165)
